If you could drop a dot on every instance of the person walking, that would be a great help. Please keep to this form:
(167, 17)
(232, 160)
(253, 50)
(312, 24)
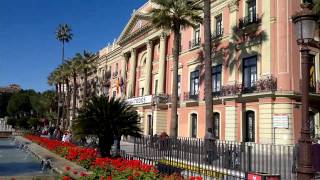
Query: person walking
(51, 131)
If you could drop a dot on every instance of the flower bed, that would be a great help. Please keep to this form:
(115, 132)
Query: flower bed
(102, 168)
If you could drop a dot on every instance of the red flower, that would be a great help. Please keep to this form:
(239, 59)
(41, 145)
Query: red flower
(130, 178)
(66, 178)
(68, 168)
(109, 178)
(83, 174)
(75, 172)
(136, 174)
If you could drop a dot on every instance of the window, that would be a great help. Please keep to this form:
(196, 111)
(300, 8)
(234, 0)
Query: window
(249, 73)
(194, 125)
(312, 74)
(179, 85)
(194, 83)
(195, 42)
(142, 92)
(197, 34)
(156, 87)
(249, 127)
(150, 125)
(216, 125)
(216, 79)
(252, 10)
(312, 118)
(219, 26)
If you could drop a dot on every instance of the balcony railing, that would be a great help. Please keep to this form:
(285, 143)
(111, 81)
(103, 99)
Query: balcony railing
(248, 20)
(194, 43)
(217, 34)
(187, 96)
(115, 74)
(268, 83)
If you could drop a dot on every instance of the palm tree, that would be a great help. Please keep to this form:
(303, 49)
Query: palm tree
(66, 74)
(75, 69)
(86, 65)
(55, 78)
(63, 34)
(104, 118)
(208, 63)
(174, 15)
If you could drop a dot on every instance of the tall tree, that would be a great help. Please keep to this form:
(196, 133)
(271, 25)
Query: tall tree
(105, 117)
(55, 79)
(208, 63)
(75, 70)
(174, 15)
(64, 35)
(86, 65)
(66, 74)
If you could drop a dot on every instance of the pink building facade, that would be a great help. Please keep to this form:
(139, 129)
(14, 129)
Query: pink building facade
(256, 73)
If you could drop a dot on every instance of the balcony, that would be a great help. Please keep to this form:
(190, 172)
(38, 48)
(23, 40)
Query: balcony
(217, 34)
(187, 96)
(194, 43)
(248, 20)
(115, 74)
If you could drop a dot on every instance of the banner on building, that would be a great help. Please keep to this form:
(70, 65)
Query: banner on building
(280, 121)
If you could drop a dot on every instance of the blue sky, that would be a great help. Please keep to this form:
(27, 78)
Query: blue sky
(29, 50)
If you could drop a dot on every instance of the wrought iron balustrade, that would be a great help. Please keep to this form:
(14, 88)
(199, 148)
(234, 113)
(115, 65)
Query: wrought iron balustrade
(189, 96)
(248, 20)
(217, 34)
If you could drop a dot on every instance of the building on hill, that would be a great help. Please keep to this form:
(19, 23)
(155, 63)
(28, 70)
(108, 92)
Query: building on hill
(12, 88)
(256, 73)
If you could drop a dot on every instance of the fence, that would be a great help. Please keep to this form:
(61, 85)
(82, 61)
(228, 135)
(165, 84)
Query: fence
(215, 159)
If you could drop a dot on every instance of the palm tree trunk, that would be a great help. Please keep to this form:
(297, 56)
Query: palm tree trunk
(59, 104)
(67, 103)
(58, 98)
(208, 64)
(174, 105)
(62, 51)
(118, 146)
(74, 99)
(85, 86)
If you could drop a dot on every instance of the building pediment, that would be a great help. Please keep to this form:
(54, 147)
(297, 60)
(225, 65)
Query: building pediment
(138, 24)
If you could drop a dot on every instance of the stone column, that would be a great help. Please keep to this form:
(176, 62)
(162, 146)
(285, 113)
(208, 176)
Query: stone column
(148, 69)
(162, 62)
(133, 63)
(124, 72)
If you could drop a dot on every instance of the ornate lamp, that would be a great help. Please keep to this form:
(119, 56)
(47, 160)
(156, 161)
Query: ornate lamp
(305, 23)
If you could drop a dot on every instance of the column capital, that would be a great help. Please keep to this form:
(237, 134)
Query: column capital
(163, 36)
(233, 5)
(149, 43)
(133, 51)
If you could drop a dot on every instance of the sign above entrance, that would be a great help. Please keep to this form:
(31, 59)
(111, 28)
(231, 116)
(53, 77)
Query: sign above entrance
(140, 100)
(280, 121)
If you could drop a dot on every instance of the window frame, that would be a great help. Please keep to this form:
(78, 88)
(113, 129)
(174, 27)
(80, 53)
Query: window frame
(194, 125)
(247, 65)
(194, 85)
(216, 87)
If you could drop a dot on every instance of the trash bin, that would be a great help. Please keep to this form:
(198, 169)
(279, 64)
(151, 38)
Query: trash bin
(262, 176)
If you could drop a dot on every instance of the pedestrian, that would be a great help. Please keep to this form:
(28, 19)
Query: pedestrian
(51, 131)
(209, 145)
(58, 134)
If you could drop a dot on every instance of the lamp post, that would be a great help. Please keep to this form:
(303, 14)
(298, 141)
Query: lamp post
(305, 24)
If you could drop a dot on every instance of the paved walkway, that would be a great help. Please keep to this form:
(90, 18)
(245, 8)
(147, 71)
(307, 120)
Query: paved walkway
(57, 162)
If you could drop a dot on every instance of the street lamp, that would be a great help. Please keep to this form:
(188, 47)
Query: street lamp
(305, 23)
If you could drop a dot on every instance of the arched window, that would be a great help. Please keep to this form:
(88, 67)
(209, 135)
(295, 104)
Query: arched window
(249, 127)
(312, 117)
(216, 125)
(194, 124)
(150, 125)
